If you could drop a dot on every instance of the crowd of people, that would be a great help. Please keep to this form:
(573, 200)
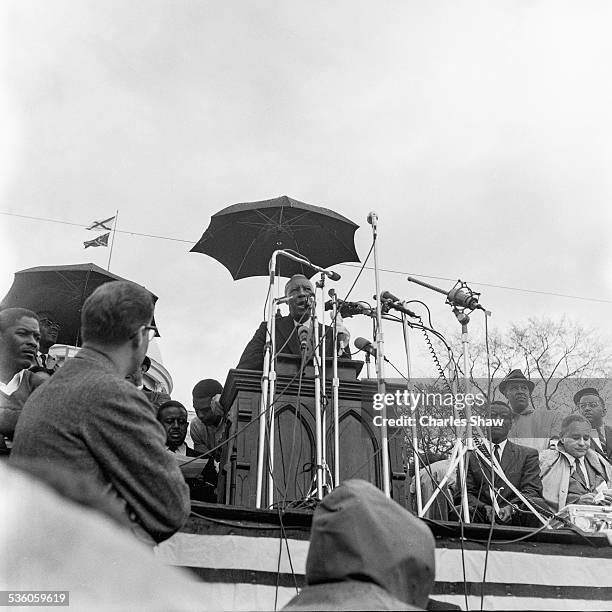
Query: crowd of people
(93, 428)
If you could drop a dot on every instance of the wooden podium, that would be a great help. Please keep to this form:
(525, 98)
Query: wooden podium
(294, 444)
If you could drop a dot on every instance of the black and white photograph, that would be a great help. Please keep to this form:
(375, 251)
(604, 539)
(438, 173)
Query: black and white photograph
(305, 305)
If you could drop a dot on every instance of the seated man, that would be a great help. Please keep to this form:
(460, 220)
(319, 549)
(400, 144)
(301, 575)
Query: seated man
(520, 466)
(19, 336)
(89, 421)
(301, 292)
(593, 408)
(173, 417)
(573, 473)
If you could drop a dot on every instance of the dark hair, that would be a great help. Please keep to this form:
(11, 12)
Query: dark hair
(9, 316)
(576, 417)
(170, 404)
(114, 311)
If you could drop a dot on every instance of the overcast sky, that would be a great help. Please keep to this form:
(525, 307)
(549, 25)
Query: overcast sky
(479, 132)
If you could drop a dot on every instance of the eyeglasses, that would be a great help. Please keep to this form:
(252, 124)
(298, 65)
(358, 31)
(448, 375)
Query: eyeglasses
(589, 405)
(150, 329)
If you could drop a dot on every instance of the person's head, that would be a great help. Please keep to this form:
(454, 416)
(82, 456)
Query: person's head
(575, 435)
(501, 416)
(357, 532)
(591, 405)
(517, 389)
(19, 338)
(49, 329)
(302, 291)
(202, 395)
(173, 417)
(136, 377)
(117, 317)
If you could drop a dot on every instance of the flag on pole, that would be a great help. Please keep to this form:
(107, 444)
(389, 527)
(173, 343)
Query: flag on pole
(101, 225)
(96, 242)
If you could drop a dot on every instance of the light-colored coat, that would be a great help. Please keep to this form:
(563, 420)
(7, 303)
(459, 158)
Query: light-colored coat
(555, 471)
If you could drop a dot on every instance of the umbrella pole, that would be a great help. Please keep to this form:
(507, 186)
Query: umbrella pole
(380, 362)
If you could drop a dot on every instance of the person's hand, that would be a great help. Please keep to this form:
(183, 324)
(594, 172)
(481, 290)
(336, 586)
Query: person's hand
(587, 498)
(489, 512)
(607, 498)
(505, 514)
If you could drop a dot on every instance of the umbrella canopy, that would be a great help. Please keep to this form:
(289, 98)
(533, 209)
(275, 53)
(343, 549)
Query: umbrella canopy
(60, 290)
(243, 237)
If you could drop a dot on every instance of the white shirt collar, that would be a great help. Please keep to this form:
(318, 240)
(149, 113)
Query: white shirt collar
(491, 445)
(180, 450)
(12, 385)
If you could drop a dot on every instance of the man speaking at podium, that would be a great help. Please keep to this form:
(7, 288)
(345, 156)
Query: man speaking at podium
(291, 330)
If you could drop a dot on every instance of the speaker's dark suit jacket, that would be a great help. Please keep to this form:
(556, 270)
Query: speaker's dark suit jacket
(287, 341)
(521, 466)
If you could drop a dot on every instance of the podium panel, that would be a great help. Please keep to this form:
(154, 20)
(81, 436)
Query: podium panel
(294, 440)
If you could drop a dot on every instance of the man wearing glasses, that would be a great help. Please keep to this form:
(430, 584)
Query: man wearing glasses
(92, 426)
(591, 405)
(49, 331)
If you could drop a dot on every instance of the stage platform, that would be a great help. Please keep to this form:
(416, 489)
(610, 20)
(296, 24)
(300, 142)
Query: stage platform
(248, 559)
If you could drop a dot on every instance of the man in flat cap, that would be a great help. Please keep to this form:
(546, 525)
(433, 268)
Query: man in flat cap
(530, 427)
(592, 406)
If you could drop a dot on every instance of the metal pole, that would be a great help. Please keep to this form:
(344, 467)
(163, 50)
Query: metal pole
(380, 362)
(320, 473)
(271, 411)
(268, 371)
(323, 353)
(335, 396)
(110, 254)
(415, 440)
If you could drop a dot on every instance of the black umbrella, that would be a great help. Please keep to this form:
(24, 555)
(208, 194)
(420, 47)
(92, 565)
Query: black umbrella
(60, 290)
(243, 237)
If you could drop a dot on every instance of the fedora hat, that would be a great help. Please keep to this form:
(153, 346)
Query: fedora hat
(586, 391)
(515, 375)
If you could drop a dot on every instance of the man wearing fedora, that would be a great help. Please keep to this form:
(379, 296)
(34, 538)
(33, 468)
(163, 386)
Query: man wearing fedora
(530, 427)
(592, 406)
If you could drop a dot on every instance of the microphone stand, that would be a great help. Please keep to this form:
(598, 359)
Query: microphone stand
(415, 441)
(461, 298)
(380, 361)
(268, 380)
(335, 390)
(320, 468)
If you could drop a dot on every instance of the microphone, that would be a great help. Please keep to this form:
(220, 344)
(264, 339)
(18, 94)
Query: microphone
(348, 309)
(303, 332)
(456, 296)
(395, 303)
(285, 300)
(332, 275)
(365, 345)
